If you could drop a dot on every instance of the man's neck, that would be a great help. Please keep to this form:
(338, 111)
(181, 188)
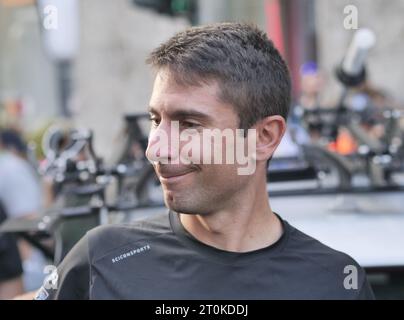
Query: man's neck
(241, 228)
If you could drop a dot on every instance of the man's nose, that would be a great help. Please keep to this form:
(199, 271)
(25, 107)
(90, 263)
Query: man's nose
(163, 143)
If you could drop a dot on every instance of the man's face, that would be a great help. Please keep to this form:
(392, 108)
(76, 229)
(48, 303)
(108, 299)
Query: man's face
(312, 83)
(189, 184)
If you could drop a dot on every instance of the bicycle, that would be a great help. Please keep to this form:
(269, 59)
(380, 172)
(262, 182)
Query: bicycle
(376, 159)
(80, 185)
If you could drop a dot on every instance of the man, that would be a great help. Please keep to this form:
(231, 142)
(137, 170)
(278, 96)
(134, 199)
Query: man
(11, 283)
(221, 239)
(19, 197)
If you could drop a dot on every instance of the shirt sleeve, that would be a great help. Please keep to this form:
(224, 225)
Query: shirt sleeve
(71, 279)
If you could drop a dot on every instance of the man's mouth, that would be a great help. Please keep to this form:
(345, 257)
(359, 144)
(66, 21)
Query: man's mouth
(173, 175)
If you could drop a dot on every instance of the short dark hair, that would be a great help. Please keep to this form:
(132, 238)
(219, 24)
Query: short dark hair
(11, 139)
(250, 72)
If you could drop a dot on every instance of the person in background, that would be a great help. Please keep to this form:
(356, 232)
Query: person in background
(11, 282)
(308, 105)
(20, 196)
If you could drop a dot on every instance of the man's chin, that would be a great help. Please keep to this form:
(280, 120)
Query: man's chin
(183, 209)
(176, 204)
(177, 207)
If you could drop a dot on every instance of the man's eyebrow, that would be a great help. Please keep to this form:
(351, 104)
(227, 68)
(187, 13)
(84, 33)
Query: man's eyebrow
(181, 114)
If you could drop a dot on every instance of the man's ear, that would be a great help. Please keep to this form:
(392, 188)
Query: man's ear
(269, 131)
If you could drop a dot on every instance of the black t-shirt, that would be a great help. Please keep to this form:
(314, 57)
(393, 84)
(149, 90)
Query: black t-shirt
(10, 260)
(159, 259)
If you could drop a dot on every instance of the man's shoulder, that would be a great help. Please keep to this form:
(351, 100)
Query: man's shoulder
(316, 253)
(104, 239)
(336, 273)
(311, 249)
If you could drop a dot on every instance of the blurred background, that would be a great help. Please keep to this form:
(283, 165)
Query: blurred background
(73, 78)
